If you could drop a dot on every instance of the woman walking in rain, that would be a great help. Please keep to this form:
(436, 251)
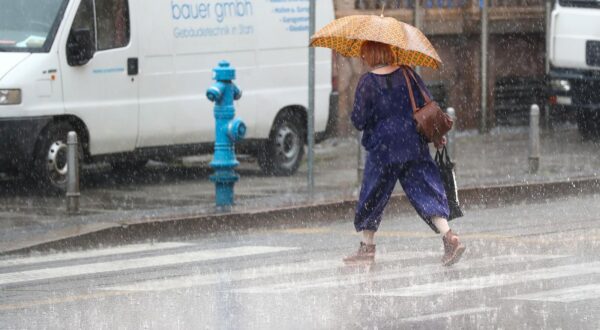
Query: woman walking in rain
(396, 152)
(383, 110)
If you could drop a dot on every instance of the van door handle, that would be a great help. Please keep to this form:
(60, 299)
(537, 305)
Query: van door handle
(132, 66)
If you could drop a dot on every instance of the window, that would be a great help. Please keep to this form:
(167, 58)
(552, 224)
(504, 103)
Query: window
(108, 20)
(580, 3)
(29, 26)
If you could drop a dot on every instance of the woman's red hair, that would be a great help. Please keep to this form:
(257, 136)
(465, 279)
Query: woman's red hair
(376, 53)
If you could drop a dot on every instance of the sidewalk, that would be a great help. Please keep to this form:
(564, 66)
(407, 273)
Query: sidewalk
(182, 193)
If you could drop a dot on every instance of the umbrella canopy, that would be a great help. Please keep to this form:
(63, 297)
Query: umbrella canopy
(347, 34)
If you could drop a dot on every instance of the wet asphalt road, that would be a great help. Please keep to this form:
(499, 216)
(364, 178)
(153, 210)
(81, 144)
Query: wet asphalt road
(527, 266)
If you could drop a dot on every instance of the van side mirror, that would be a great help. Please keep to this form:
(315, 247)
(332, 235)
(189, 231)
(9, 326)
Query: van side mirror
(80, 47)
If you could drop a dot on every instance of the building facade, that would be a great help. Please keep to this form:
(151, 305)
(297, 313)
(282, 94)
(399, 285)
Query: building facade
(516, 49)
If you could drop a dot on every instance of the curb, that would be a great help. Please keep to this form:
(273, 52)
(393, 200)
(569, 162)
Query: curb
(182, 225)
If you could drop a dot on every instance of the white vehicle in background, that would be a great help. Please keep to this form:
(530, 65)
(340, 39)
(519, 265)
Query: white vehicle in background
(574, 56)
(129, 76)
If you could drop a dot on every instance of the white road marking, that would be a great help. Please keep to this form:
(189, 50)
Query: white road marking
(392, 274)
(256, 273)
(429, 317)
(495, 280)
(90, 253)
(566, 295)
(144, 262)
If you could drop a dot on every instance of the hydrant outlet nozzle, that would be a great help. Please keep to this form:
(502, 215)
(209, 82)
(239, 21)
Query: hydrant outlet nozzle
(214, 94)
(237, 93)
(236, 130)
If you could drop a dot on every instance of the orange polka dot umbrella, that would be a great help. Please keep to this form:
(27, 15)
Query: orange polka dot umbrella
(347, 34)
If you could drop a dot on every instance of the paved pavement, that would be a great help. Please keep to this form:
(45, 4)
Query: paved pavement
(488, 166)
(533, 265)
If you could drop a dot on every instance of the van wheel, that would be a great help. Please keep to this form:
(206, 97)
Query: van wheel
(50, 164)
(283, 151)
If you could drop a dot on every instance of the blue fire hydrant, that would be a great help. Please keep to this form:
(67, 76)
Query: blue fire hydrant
(228, 131)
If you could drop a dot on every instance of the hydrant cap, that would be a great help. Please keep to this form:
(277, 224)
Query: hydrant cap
(224, 72)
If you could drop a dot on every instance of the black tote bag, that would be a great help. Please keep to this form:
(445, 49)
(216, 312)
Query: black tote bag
(446, 167)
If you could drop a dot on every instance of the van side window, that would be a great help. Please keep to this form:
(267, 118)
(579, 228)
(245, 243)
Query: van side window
(84, 19)
(108, 20)
(112, 17)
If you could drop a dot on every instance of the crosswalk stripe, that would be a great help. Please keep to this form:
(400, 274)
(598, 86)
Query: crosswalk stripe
(256, 273)
(566, 295)
(392, 274)
(136, 263)
(91, 253)
(495, 280)
(429, 317)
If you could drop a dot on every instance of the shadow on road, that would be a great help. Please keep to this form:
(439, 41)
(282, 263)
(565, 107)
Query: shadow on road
(103, 176)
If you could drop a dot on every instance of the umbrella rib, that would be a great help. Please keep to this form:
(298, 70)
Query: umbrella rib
(352, 44)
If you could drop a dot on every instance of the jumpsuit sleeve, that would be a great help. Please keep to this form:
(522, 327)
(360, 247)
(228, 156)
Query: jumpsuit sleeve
(362, 111)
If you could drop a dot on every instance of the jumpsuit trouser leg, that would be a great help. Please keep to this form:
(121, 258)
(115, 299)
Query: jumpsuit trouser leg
(424, 189)
(421, 183)
(377, 187)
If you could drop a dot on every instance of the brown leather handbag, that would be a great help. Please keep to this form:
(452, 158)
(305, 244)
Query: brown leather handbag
(432, 122)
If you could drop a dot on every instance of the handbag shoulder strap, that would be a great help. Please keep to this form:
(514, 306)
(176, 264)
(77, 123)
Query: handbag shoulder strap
(423, 93)
(410, 90)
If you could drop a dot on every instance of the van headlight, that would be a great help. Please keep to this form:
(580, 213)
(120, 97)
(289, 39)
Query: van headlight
(10, 96)
(560, 85)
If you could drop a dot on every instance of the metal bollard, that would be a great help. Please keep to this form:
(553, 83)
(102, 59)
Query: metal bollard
(451, 143)
(534, 139)
(72, 173)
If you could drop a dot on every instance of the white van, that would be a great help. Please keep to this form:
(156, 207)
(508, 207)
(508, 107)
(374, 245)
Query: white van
(574, 56)
(130, 77)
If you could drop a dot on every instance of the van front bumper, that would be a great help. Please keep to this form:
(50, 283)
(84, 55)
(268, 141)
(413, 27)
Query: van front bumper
(17, 141)
(574, 88)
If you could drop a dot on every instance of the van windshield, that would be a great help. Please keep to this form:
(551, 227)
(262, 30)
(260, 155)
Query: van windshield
(580, 3)
(29, 26)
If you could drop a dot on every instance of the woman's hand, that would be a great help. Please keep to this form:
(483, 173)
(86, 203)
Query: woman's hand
(441, 143)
